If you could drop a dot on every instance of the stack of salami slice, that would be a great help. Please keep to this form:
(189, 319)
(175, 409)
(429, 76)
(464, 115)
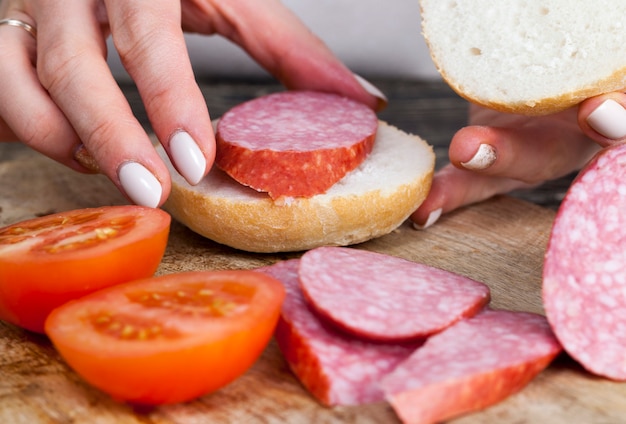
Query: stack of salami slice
(360, 327)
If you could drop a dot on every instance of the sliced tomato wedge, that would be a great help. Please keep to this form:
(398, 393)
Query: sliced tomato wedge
(171, 338)
(46, 261)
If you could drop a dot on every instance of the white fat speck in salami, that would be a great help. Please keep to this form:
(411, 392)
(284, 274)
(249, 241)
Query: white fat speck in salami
(584, 277)
(385, 298)
(336, 369)
(294, 143)
(473, 364)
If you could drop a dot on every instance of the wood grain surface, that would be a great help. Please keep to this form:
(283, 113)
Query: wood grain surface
(500, 242)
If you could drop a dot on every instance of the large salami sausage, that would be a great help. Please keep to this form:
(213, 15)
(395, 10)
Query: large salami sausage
(335, 369)
(475, 363)
(294, 143)
(584, 277)
(385, 298)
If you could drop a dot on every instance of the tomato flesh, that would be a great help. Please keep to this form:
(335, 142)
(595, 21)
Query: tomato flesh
(170, 338)
(47, 261)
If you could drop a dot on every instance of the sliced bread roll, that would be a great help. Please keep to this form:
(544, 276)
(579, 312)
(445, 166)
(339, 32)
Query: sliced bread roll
(531, 57)
(370, 201)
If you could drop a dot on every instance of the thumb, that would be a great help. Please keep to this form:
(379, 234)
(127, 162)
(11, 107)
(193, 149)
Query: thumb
(603, 118)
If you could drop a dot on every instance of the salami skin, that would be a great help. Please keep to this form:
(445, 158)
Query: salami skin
(584, 276)
(475, 363)
(294, 143)
(335, 369)
(385, 298)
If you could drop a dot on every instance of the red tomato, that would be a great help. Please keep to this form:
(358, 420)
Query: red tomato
(171, 338)
(44, 262)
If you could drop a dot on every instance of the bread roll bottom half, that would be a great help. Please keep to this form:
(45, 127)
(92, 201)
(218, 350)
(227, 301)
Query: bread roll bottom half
(369, 202)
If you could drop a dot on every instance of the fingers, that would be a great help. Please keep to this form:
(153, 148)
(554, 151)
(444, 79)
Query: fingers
(26, 110)
(531, 150)
(518, 152)
(72, 68)
(70, 108)
(150, 41)
(603, 118)
(292, 53)
(453, 188)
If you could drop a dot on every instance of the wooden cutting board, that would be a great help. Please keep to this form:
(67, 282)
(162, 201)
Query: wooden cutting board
(500, 242)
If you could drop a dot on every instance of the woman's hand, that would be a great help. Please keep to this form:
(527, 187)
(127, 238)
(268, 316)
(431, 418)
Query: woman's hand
(498, 153)
(58, 96)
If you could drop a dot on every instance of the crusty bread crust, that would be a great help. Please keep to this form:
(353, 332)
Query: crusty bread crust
(371, 201)
(534, 57)
(541, 106)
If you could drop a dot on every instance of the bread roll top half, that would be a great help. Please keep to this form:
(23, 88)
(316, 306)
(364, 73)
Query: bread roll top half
(532, 57)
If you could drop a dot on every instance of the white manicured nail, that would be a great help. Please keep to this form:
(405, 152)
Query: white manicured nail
(432, 218)
(187, 157)
(140, 184)
(483, 159)
(370, 88)
(609, 119)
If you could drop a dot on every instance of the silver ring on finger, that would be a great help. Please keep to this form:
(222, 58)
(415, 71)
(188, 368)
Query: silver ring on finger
(20, 24)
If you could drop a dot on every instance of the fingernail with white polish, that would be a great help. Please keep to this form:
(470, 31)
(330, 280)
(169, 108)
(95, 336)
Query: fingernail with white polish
(482, 159)
(140, 184)
(432, 218)
(371, 88)
(609, 119)
(187, 157)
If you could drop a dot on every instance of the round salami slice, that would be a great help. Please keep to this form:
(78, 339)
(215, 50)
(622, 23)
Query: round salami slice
(335, 368)
(584, 276)
(473, 364)
(294, 143)
(385, 298)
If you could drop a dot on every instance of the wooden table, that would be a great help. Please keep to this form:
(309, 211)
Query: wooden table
(500, 242)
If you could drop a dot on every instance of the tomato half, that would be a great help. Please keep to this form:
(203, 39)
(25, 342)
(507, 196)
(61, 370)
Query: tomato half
(44, 262)
(171, 338)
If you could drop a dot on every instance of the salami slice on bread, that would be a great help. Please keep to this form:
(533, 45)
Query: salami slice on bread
(370, 201)
(531, 57)
(294, 143)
